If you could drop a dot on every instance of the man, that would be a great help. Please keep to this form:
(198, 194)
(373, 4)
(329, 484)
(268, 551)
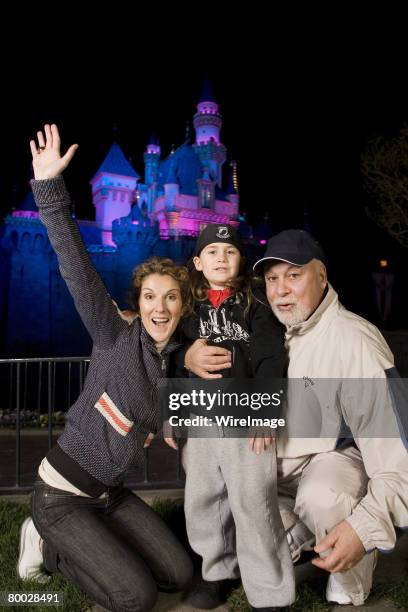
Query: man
(348, 497)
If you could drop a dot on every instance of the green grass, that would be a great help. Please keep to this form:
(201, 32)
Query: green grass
(11, 517)
(395, 591)
(310, 597)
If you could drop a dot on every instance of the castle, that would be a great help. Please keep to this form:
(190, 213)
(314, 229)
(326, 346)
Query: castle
(134, 219)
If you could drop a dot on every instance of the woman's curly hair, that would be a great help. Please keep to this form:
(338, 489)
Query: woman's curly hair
(165, 267)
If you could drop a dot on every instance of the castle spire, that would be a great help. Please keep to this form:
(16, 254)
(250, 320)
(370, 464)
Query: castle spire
(207, 123)
(113, 188)
(207, 120)
(152, 159)
(207, 94)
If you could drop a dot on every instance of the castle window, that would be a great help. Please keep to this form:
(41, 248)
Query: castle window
(206, 198)
(14, 239)
(26, 241)
(38, 243)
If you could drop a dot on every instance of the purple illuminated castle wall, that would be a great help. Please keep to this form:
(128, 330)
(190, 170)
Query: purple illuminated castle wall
(135, 218)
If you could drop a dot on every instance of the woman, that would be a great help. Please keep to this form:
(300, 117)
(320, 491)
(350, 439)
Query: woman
(95, 531)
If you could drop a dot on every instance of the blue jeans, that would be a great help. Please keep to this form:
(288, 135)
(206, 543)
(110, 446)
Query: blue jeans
(117, 549)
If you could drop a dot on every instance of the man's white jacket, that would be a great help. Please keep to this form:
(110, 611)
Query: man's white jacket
(337, 344)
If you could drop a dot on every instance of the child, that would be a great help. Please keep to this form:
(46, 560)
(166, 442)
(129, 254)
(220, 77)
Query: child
(231, 504)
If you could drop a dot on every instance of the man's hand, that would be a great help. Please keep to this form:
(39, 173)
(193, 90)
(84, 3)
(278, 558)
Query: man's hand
(260, 438)
(202, 359)
(347, 549)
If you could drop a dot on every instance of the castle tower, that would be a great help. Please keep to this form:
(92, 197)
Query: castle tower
(171, 186)
(207, 124)
(135, 237)
(113, 190)
(152, 159)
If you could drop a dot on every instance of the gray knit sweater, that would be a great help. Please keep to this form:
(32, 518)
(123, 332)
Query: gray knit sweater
(118, 406)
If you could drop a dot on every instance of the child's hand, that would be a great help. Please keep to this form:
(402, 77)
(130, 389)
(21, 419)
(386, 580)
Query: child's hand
(260, 438)
(168, 435)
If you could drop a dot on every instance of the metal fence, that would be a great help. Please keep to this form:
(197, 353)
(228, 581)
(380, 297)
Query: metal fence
(37, 392)
(35, 395)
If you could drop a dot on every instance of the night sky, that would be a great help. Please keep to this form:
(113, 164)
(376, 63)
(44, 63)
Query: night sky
(296, 122)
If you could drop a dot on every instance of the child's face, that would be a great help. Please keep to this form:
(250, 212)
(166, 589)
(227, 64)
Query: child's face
(219, 262)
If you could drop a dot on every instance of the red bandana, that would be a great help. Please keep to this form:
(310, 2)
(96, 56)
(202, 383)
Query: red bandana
(217, 296)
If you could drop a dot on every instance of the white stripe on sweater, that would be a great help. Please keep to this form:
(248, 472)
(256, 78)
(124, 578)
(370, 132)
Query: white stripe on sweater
(113, 415)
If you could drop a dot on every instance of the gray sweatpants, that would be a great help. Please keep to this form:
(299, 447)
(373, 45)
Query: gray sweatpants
(233, 519)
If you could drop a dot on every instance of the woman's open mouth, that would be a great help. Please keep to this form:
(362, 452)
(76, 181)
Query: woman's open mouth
(160, 322)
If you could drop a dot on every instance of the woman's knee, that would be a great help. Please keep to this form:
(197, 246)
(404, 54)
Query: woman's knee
(180, 572)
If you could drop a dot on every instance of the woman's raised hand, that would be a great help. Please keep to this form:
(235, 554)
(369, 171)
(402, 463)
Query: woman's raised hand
(47, 160)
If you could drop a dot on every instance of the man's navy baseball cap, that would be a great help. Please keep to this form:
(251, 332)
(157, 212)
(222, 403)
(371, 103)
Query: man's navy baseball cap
(296, 247)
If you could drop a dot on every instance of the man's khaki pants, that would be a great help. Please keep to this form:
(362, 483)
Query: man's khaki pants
(321, 490)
